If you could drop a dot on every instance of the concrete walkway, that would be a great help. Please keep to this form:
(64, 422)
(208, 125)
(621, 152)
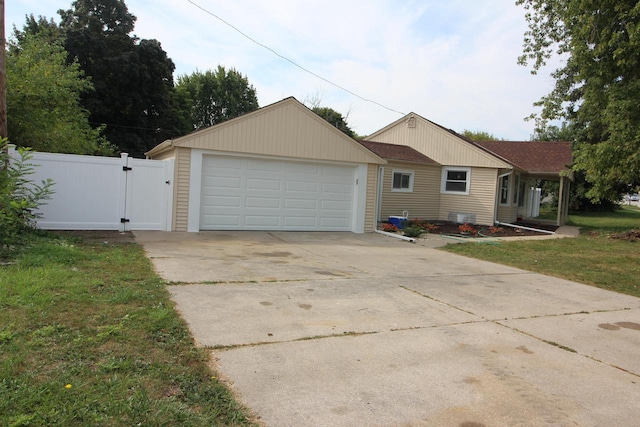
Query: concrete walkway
(339, 329)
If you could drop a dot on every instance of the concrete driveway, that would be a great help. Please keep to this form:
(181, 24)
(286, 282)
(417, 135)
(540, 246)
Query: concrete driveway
(340, 329)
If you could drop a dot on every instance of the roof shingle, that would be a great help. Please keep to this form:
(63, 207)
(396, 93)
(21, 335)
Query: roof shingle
(397, 152)
(532, 156)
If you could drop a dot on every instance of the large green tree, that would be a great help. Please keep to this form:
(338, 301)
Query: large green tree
(43, 99)
(215, 96)
(335, 119)
(597, 87)
(133, 78)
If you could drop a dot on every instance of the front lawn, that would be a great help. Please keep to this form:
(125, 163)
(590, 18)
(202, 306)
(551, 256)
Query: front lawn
(89, 336)
(593, 258)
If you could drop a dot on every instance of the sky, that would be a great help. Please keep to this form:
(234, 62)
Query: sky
(453, 62)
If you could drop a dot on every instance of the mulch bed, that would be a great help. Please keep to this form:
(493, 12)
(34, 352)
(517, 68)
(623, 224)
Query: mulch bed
(631, 236)
(502, 231)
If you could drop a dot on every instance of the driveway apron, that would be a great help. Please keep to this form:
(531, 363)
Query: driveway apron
(342, 329)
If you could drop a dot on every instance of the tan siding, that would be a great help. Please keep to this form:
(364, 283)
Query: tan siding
(370, 221)
(181, 189)
(480, 201)
(285, 129)
(438, 144)
(508, 213)
(423, 202)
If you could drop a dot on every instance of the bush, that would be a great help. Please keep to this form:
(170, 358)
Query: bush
(19, 198)
(413, 231)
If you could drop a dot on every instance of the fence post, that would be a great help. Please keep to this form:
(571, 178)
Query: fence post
(124, 161)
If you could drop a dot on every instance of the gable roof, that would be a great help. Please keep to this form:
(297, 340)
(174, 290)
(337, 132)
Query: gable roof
(534, 157)
(441, 144)
(398, 152)
(286, 128)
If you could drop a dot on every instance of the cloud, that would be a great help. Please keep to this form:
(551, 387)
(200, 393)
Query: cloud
(452, 62)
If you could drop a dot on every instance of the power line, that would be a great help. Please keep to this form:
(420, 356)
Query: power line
(292, 62)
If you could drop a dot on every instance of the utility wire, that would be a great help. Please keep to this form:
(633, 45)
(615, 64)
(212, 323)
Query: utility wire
(292, 62)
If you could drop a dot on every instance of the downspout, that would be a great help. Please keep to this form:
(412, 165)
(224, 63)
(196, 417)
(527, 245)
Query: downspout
(495, 209)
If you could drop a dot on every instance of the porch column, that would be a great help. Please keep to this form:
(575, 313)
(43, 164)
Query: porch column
(563, 201)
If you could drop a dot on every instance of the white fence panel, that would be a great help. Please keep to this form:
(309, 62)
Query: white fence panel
(104, 193)
(87, 191)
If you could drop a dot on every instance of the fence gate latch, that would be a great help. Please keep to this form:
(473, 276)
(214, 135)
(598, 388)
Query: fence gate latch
(126, 168)
(123, 220)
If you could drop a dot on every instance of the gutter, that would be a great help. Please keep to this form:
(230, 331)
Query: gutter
(506, 224)
(397, 236)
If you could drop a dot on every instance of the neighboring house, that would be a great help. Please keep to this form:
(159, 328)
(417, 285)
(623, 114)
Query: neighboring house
(479, 182)
(281, 167)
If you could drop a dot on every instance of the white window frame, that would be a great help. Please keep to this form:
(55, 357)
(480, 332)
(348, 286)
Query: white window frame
(443, 185)
(403, 172)
(505, 196)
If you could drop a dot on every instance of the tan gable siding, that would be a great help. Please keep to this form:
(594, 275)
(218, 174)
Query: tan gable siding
(181, 189)
(284, 129)
(480, 201)
(423, 202)
(437, 143)
(370, 222)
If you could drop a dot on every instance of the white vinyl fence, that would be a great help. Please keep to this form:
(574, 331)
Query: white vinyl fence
(104, 193)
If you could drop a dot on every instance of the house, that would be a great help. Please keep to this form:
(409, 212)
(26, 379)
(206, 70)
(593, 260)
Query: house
(281, 167)
(478, 182)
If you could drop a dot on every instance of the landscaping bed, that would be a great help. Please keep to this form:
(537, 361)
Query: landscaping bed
(418, 226)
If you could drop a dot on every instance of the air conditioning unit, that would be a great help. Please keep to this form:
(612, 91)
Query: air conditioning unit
(462, 218)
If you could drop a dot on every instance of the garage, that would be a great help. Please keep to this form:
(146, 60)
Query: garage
(281, 167)
(261, 194)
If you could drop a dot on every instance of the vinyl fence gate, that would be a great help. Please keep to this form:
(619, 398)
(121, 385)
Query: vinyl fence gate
(104, 193)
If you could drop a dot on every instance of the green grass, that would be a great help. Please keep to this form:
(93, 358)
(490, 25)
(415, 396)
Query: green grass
(89, 336)
(593, 258)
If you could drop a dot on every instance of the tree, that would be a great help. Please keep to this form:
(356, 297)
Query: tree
(216, 96)
(597, 88)
(43, 99)
(133, 79)
(479, 135)
(335, 119)
(566, 132)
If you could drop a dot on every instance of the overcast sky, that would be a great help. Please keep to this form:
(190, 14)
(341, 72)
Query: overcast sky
(452, 62)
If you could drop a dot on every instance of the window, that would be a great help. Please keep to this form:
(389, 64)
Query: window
(504, 190)
(402, 181)
(456, 180)
(516, 190)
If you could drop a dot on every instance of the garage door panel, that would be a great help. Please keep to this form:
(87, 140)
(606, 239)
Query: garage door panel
(223, 220)
(263, 184)
(308, 186)
(222, 201)
(262, 202)
(262, 221)
(296, 222)
(261, 194)
(301, 204)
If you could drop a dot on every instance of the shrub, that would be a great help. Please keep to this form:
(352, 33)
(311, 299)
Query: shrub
(413, 231)
(19, 197)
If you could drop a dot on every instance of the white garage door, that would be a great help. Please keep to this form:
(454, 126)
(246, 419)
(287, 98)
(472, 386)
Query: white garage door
(257, 194)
